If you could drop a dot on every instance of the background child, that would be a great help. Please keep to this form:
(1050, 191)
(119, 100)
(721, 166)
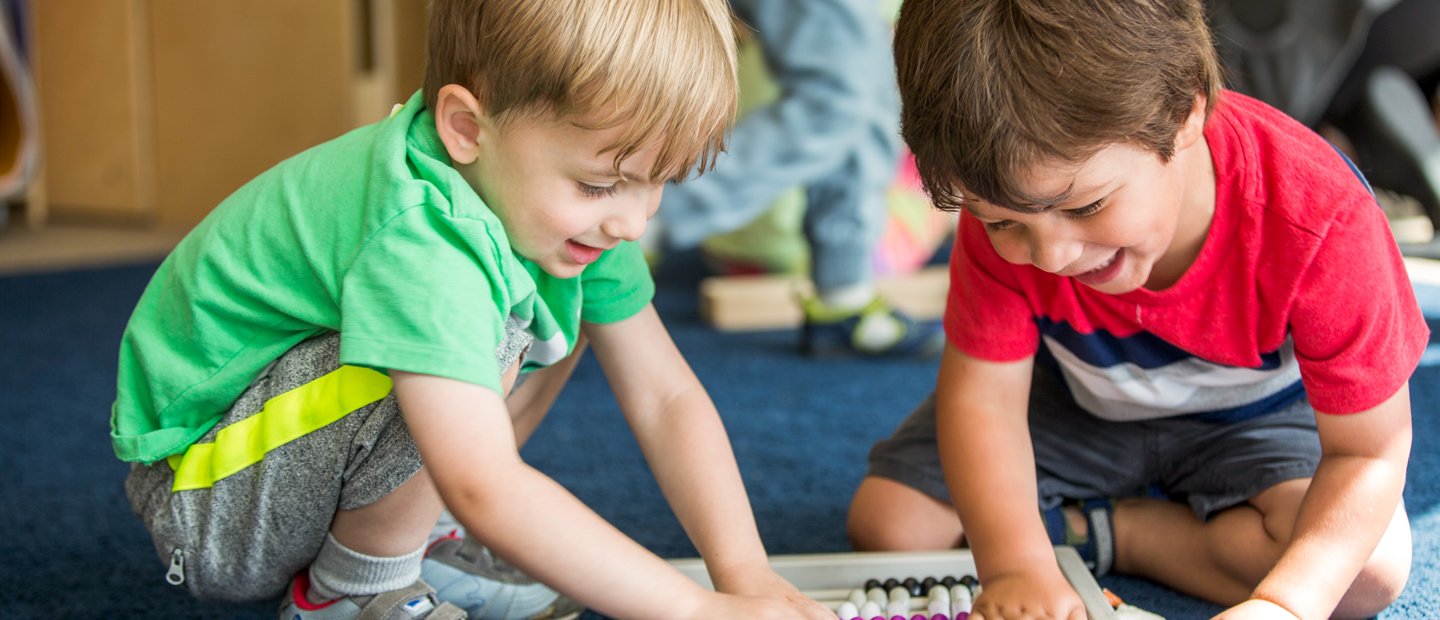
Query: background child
(831, 131)
(1190, 295)
(367, 305)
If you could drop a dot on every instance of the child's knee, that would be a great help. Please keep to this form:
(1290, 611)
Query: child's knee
(1377, 586)
(1383, 577)
(888, 516)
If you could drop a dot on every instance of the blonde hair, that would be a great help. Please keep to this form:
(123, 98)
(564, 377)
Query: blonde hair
(664, 68)
(993, 87)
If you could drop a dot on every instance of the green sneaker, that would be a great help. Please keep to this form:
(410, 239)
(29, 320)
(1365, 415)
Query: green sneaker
(874, 330)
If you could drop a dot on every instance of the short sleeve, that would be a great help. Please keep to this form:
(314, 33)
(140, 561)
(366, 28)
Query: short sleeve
(617, 286)
(986, 314)
(1357, 327)
(418, 299)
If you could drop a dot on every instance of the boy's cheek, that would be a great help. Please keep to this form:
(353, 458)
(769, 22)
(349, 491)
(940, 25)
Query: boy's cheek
(1009, 250)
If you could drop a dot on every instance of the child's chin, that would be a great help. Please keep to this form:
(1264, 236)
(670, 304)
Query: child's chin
(563, 270)
(1117, 286)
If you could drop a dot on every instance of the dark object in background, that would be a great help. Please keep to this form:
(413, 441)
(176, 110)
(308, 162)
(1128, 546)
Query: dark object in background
(1363, 66)
(19, 127)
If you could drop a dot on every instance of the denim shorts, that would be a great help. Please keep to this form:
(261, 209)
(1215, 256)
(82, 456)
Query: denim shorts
(1210, 466)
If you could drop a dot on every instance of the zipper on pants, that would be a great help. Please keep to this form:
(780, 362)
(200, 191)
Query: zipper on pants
(176, 575)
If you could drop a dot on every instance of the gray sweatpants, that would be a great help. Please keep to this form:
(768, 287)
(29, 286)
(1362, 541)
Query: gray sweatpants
(243, 537)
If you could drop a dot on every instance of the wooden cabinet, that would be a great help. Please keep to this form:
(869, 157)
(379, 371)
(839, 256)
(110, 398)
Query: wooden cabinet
(152, 111)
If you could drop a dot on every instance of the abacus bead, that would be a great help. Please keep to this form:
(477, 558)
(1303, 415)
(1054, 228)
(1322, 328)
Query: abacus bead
(897, 609)
(912, 585)
(960, 599)
(877, 596)
(940, 593)
(899, 593)
(857, 597)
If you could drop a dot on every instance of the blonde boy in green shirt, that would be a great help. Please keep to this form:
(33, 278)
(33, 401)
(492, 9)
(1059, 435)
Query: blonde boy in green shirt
(327, 362)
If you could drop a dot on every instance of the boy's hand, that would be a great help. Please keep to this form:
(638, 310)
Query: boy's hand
(1256, 608)
(1028, 594)
(764, 582)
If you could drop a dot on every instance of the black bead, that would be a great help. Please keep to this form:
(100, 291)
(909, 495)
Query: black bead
(913, 585)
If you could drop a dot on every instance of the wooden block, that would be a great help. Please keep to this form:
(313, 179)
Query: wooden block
(743, 303)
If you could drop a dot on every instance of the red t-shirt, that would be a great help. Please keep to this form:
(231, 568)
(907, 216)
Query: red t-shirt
(1299, 279)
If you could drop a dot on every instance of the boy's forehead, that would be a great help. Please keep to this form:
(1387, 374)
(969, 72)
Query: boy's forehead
(600, 148)
(603, 165)
(1051, 183)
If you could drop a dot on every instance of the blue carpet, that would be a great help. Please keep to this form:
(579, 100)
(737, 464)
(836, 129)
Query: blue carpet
(70, 547)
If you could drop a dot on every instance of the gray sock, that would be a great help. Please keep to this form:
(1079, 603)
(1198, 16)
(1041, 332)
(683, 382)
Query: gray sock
(339, 571)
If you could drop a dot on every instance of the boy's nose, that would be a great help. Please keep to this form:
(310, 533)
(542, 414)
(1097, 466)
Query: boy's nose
(1053, 253)
(627, 224)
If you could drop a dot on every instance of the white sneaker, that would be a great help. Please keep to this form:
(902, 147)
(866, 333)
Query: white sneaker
(465, 574)
(415, 602)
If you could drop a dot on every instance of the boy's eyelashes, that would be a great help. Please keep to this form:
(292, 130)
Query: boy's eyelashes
(1089, 209)
(1080, 212)
(596, 191)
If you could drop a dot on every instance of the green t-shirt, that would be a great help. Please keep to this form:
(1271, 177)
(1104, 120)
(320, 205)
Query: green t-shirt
(372, 234)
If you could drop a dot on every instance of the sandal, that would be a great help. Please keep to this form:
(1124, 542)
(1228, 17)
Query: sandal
(1097, 546)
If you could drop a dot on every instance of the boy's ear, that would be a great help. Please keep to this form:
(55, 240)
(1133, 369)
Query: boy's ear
(1194, 126)
(461, 120)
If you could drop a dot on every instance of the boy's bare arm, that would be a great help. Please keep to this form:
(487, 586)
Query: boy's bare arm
(464, 435)
(681, 434)
(989, 464)
(1352, 499)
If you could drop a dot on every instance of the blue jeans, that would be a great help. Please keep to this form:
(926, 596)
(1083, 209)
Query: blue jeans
(835, 131)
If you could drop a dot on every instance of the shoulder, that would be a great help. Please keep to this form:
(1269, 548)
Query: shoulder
(1292, 199)
(1279, 170)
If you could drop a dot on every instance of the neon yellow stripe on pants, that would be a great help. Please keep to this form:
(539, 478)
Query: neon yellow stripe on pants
(283, 419)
